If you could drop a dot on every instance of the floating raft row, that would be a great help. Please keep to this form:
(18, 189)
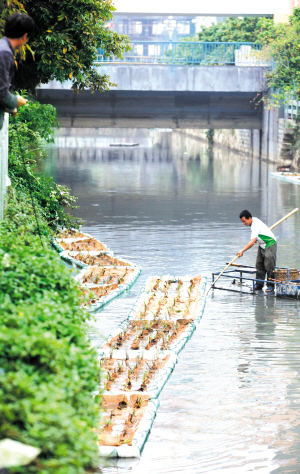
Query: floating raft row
(289, 176)
(102, 275)
(139, 357)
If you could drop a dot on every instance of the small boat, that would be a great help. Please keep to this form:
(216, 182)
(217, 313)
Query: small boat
(242, 280)
(123, 144)
(290, 176)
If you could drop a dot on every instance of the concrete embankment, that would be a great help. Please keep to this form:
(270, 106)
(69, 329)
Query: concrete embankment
(275, 142)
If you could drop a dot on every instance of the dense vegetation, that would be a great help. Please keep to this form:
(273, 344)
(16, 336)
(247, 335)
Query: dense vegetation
(247, 29)
(48, 370)
(280, 43)
(65, 42)
(33, 127)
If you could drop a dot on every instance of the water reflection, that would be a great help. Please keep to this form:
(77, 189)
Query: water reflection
(232, 403)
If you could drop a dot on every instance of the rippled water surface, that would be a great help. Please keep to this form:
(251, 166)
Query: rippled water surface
(232, 404)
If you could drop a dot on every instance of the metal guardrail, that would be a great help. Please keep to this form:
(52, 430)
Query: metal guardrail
(291, 109)
(189, 53)
(3, 162)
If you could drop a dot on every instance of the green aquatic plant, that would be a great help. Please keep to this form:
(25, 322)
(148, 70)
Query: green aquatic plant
(139, 402)
(120, 367)
(126, 441)
(48, 368)
(145, 376)
(108, 423)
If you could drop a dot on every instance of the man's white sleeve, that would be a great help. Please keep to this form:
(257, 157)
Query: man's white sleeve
(254, 230)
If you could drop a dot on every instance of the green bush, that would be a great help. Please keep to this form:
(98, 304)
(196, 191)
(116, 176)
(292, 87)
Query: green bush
(47, 368)
(28, 134)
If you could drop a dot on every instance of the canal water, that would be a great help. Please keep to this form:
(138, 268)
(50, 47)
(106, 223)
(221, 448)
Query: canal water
(232, 404)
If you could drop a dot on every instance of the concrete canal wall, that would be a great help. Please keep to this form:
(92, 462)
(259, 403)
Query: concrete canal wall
(272, 142)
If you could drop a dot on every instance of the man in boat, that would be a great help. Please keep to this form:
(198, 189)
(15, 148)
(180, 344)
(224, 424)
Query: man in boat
(267, 248)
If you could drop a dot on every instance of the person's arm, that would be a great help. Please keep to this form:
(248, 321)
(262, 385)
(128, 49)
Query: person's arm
(7, 99)
(248, 246)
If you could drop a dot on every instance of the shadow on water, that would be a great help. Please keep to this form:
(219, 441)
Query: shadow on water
(232, 403)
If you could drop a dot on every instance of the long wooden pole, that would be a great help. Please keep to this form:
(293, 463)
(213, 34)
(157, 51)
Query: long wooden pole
(284, 218)
(221, 274)
(277, 223)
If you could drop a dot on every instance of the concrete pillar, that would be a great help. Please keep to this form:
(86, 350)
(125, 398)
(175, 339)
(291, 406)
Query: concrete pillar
(265, 134)
(273, 135)
(256, 143)
(270, 131)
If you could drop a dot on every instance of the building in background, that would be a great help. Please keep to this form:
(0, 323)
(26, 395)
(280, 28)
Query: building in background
(159, 27)
(289, 7)
(166, 20)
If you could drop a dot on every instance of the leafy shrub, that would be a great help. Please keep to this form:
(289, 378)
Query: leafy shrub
(34, 127)
(47, 368)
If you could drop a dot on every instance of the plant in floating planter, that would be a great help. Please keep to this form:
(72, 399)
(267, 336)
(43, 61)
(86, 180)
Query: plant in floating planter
(126, 441)
(138, 402)
(85, 279)
(108, 423)
(131, 416)
(145, 376)
(156, 284)
(123, 403)
(130, 371)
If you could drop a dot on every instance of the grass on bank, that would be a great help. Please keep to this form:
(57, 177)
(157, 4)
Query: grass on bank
(47, 367)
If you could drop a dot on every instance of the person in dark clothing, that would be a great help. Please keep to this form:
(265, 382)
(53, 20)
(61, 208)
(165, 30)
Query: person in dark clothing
(266, 254)
(18, 28)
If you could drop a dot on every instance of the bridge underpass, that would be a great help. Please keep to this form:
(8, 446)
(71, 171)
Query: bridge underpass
(165, 96)
(150, 109)
(178, 85)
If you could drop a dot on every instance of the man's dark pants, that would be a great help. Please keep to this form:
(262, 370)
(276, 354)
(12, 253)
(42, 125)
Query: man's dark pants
(265, 264)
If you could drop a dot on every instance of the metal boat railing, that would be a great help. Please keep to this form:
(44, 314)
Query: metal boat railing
(191, 53)
(239, 275)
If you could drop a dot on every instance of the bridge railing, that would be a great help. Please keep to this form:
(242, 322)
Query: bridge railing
(189, 53)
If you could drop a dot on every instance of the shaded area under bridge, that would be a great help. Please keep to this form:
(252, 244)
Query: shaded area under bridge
(164, 96)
